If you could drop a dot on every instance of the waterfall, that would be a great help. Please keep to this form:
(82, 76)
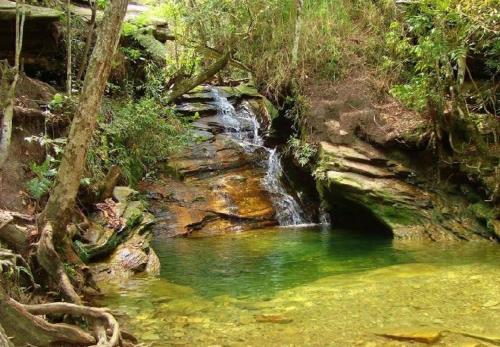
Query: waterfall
(288, 211)
(243, 127)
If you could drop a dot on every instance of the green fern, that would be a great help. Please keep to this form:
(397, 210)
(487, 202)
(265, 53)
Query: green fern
(41, 184)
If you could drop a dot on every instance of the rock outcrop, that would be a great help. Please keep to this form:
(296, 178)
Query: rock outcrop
(214, 186)
(360, 182)
(120, 239)
(366, 175)
(41, 36)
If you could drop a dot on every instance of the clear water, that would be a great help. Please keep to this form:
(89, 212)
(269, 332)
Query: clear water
(310, 286)
(261, 263)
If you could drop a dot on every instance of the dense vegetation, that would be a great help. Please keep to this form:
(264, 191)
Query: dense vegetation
(437, 57)
(445, 58)
(116, 101)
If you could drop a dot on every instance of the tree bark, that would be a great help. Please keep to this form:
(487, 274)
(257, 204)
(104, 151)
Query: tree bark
(57, 213)
(185, 86)
(7, 104)
(296, 38)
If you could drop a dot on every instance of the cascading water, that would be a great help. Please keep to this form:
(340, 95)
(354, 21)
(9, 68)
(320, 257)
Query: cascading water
(243, 127)
(288, 210)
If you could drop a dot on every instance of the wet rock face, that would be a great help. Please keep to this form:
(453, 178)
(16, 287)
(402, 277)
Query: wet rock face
(214, 186)
(361, 184)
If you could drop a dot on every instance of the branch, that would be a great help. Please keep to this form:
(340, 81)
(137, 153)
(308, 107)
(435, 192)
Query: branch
(215, 53)
(186, 85)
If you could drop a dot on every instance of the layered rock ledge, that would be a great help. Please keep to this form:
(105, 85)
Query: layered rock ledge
(214, 186)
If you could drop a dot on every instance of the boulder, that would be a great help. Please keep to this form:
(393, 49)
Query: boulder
(134, 256)
(122, 250)
(123, 194)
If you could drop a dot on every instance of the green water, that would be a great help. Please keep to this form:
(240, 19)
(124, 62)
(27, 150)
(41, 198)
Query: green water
(263, 262)
(310, 286)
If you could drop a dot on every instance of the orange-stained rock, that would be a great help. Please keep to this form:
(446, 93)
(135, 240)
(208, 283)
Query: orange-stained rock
(215, 188)
(233, 200)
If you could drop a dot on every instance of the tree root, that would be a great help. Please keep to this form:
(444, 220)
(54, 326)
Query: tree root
(99, 314)
(49, 259)
(30, 329)
(51, 262)
(4, 339)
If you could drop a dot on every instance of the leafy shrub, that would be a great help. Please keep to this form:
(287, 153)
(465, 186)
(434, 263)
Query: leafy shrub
(430, 45)
(303, 152)
(137, 136)
(45, 172)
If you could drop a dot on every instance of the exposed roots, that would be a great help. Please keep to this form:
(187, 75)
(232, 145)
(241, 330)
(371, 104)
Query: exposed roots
(49, 259)
(96, 314)
(26, 328)
(51, 262)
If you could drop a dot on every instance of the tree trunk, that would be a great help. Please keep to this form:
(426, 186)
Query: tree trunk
(88, 40)
(185, 86)
(296, 38)
(7, 108)
(57, 213)
(7, 104)
(62, 198)
(68, 47)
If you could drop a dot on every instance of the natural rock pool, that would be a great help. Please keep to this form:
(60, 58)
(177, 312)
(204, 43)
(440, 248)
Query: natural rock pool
(313, 287)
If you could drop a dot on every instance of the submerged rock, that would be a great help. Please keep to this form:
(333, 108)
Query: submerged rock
(427, 336)
(272, 318)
